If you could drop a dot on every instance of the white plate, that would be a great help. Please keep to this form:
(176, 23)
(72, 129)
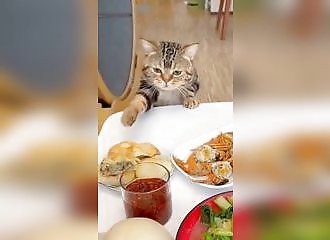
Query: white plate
(183, 151)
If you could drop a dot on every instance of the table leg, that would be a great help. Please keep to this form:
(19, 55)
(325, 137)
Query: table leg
(225, 19)
(220, 13)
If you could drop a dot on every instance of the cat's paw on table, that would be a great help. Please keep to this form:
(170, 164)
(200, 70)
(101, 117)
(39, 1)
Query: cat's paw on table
(129, 116)
(191, 103)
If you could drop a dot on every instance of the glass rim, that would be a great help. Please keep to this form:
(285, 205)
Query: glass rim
(166, 181)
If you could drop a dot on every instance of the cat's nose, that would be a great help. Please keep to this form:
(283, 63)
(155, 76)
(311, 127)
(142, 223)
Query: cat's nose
(167, 75)
(167, 78)
(166, 83)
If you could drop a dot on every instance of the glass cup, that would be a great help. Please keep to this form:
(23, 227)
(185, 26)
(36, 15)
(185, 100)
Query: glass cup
(146, 191)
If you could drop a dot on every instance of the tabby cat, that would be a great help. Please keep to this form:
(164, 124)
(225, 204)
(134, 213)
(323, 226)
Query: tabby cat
(168, 77)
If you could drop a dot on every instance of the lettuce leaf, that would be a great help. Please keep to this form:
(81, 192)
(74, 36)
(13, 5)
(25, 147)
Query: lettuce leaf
(228, 213)
(207, 215)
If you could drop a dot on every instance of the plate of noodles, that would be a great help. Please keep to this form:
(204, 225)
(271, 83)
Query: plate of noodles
(208, 159)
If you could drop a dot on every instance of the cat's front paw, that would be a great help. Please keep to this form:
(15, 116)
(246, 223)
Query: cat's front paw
(191, 103)
(129, 116)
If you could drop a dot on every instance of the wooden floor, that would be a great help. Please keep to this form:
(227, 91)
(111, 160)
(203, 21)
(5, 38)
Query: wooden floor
(174, 20)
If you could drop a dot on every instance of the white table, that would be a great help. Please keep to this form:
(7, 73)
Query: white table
(166, 128)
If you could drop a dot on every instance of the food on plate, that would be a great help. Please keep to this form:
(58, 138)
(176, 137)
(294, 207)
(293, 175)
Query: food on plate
(206, 153)
(212, 213)
(219, 223)
(125, 154)
(223, 169)
(137, 229)
(161, 159)
(131, 151)
(212, 162)
(143, 150)
(148, 171)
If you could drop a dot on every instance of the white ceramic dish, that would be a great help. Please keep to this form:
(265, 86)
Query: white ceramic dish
(183, 151)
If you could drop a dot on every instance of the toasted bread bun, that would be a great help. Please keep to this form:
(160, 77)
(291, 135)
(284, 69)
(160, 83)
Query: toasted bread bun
(120, 157)
(122, 150)
(132, 150)
(145, 150)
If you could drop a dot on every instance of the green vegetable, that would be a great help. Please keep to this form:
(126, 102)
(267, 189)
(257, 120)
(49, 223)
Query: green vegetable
(208, 236)
(230, 199)
(225, 238)
(220, 232)
(222, 203)
(207, 215)
(220, 225)
(228, 213)
(224, 224)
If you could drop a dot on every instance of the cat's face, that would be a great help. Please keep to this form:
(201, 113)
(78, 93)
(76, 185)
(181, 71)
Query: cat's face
(168, 65)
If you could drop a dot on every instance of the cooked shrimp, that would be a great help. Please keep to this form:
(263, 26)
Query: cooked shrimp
(212, 160)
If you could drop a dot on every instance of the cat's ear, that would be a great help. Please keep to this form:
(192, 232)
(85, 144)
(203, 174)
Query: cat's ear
(190, 50)
(148, 46)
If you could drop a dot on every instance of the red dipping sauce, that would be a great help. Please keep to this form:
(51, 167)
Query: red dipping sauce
(148, 197)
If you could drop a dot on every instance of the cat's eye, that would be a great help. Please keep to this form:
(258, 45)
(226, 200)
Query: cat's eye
(177, 73)
(157, 70)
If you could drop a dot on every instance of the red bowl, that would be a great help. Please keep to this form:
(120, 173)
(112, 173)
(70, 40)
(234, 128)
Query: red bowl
(191, 228)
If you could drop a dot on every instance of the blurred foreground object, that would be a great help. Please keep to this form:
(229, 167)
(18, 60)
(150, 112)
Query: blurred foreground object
(47, 174)
(282, 170)
(292, 159)
(50, 60)
(73, 229)
(48, 126)
(308, 17)
(284, 219)
(282, 120)
(281, 50)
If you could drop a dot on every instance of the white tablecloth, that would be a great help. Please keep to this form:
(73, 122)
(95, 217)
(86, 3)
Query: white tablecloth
(166, 128)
